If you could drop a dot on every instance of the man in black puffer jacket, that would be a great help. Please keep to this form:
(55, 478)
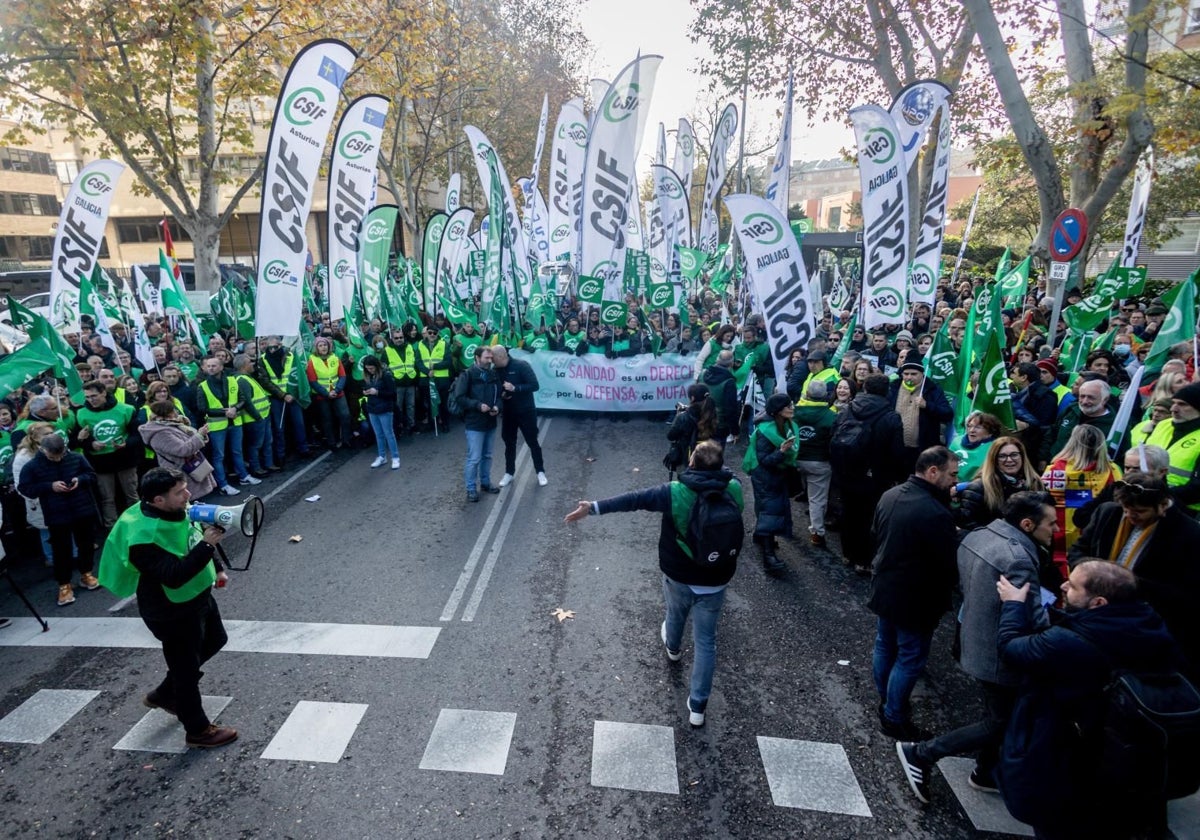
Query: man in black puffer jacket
(478, 392)
(689, 586)
(62, 481)
(866, 469)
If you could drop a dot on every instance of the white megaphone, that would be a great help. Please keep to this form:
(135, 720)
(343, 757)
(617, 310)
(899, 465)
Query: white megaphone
(247, 516)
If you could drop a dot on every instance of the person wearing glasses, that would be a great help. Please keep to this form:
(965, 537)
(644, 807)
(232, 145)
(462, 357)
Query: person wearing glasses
(1006, 471)
(1143, 529)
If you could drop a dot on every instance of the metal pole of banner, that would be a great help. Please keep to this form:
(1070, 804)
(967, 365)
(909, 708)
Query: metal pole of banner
(962, 247)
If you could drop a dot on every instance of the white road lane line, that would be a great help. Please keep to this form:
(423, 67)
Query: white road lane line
(43, 714)
(316, 732)
(460, 587)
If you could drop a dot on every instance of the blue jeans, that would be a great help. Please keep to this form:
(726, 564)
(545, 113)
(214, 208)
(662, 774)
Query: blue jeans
(479, 458)
(381, 425)
(257, 439)
(292, 415)
(898, 659)
(229, 438)
(705, 611)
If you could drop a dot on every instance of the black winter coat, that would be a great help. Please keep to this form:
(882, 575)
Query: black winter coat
(973, 510)
(916, 562)
(478, 386)
(772, 507)
(1050, 750)
(525, 385)
(37, 482)
(385, 401)
(885, 452)
(1167, 573)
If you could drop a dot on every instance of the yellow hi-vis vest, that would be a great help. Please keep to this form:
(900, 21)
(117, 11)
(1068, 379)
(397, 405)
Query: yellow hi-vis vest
(403, 366)
(281, 380)
(219, 424)
(1184, 453)
(259, 397)
(326, 370)
(432, 356)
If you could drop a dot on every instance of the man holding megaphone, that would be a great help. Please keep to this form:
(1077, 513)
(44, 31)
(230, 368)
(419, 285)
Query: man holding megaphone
(155, 551)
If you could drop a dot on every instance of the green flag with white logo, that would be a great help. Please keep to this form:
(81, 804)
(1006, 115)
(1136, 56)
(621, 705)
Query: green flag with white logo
(31, 361)
(591, 290)
(458, 315)
(691, 261)
(1014, 284)
(992, 394)
(614, 312)
(941, 362)
(1178, 326)
(39, 329)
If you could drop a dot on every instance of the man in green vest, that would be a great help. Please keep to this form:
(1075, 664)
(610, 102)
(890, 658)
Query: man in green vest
(156, 552)
(1180, 436)
(109, 438)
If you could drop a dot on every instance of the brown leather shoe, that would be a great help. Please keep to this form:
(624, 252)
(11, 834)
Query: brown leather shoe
(212, 736)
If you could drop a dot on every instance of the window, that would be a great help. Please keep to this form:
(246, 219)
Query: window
(1191, 23)
(40, 247)
(1185, 241)
(27, 204)
(68, 170)
(147, 230)
(835, 218)
(22, 160)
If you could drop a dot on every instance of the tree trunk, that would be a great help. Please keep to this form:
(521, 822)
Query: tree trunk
(206, 233)
(1035, 145)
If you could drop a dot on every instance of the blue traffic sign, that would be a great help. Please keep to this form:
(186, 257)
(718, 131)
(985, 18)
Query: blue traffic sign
(1068, 234)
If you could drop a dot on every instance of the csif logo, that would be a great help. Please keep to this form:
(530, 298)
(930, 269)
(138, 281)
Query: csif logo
(107, 432)
(304, 106)
(375, 232)
(277, 271)
(575, 132)
(687, 261)
(621, 103)
(921, 279)
(879, 146)
(728, 125)
(761, 228)
(887, 302)
(996, 383)
(355, 144)
(589, 289)
(340, 268)
(96, 184)
(560, 233)
(670, 188)
(455, 231)
(662, 295)
(943, 363)
(612, 313)
(688, 144)
(536, 302)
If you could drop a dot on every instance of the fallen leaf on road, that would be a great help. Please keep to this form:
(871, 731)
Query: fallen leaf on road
(589, 460)
(561, 614)
(295, 538)
(637, 469)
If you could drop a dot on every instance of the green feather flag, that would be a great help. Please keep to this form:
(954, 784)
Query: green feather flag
(1179, 325)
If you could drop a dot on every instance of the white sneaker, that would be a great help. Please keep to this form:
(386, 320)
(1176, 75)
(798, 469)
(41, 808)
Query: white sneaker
(694, 718)
(673, 655)
(378, 462)
(507, 480)
(230, 490)
(542, 480)
(251, 480)
(395, 463)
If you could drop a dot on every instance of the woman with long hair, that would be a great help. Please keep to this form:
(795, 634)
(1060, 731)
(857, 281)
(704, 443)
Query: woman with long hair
(178, 446)
(1006, 470)
(693, 423)
(843, 393)
(379, 387)
(1075, 476)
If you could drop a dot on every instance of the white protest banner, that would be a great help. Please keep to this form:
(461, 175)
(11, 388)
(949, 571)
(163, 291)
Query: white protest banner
(927, 261)
(1139, 200)
(352, 171)
(685, 154)
(781, 166)
(303, 114)
(147, 291)
(883, 172)
(592, 382)
(514, 260)
(78, 237)
(777, 273)
(374, 246)
(913, 110)
(676, 214)
(608, 173)
(431, 241)
(453, 192)
(566, 181)
(660, 151)
(453, 254)
(714, 178)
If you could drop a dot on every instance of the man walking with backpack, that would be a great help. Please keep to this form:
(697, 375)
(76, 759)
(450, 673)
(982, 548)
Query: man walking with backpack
(698, 547)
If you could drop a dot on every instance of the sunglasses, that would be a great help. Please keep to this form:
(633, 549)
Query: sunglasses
(1137, 490)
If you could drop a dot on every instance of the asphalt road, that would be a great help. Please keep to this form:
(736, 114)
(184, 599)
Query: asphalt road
(405, 548)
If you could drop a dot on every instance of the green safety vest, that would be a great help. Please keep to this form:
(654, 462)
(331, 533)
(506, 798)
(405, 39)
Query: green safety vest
(714, 350)
(133, 527)
(767, 429)
(403, 368)
(571, 340)
(258, 397)
(970, 461)
(431, 356)
(1184, 453)
(682, 499)
(537, 341)
(109, 426)
(219, 424)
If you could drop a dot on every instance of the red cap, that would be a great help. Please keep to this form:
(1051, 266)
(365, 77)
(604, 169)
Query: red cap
(1049, 366)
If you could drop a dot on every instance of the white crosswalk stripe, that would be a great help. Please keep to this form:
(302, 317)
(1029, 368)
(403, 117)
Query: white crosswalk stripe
(316, 732)
(809, 775)
(161, 732)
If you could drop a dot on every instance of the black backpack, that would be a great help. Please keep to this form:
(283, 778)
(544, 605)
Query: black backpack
(1150, 737)
(715, 530)
(454, 403)
(849, 446)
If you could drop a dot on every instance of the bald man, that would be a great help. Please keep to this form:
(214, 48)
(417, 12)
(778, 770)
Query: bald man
(518, 384)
